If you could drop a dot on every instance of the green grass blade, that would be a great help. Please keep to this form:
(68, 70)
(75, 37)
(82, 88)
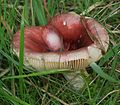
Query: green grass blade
(40, 12)
(109, 54)
(41, 73)
(52, 6)
(100, 72)
(8, 57)
(5, 12)
(4, 93)
(26, 14)
(0, 11)
(21, 55)
(32, 13)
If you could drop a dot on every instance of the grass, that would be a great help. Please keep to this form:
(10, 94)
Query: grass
(40, 88)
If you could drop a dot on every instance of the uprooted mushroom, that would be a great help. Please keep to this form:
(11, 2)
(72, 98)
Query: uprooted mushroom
(69, 41)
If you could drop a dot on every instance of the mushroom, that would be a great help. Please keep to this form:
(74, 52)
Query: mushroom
(69, 41)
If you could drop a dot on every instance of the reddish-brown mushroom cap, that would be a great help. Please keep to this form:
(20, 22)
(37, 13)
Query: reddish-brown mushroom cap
(39, 39)
(64, 23)
(71, 28)
(83, 42)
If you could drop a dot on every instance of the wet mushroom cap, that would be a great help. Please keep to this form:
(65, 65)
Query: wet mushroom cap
(68, 25)
(39, 39)
(71, 29)
(79, 48)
